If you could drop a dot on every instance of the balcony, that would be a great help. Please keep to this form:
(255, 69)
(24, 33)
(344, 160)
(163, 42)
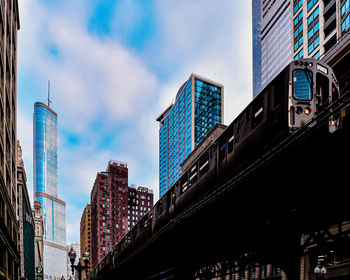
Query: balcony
(330, 43)
(329, 30)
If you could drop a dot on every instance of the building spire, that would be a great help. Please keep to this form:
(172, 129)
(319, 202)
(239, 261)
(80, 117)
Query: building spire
(48, 94)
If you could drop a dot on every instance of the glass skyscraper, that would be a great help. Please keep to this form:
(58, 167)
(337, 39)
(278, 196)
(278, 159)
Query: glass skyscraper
(318, 25)
(46, 191)
(198, 106)
(272, 40)
(256, 8)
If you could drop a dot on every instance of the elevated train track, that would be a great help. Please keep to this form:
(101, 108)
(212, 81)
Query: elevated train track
(290, 190)
(259, 215)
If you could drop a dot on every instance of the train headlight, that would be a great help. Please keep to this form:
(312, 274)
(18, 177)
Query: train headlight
(307, 111)
(299, 110)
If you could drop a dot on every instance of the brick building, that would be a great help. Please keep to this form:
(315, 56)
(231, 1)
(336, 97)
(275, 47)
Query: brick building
(85, 235)
(115, 208)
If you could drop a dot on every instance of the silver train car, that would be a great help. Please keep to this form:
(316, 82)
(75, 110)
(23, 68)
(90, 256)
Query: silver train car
(301, 91)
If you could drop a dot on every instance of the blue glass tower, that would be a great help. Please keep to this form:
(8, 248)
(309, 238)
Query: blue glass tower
(45, 191)
(256, 16)
(197, 108)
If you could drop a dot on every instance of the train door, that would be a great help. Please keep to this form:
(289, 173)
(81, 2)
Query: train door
(323, 97)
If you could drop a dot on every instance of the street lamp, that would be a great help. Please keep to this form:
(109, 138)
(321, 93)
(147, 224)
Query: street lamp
(320, 272)
(62, 278)
(79, 267)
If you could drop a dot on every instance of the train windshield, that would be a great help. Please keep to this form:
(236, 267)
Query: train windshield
(302, 84)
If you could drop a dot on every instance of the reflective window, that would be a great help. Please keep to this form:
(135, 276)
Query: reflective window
(299, 55)
(313, 16)
(310, 4)
(346, 24)
(297, 5)
(345, 8)
(298, 18)
(302, 84)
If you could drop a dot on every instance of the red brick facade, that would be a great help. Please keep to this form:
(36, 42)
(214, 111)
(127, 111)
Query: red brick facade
(115, 208)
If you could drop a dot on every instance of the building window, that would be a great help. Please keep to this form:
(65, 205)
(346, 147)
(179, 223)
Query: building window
(297, 5)
(299, 55)
(298, 31)
(298, 18)
(310, 4)
(314, 45)
(345, 8)
(313, 16)
(298, 43)
(346, 24)
(313, 31)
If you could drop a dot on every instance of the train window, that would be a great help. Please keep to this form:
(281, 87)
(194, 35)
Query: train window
(222, 147)
(193, 175)
(172, 197)
(258, 110)
(184, 184)
(230, 141)
(302, 84)
(203, 164)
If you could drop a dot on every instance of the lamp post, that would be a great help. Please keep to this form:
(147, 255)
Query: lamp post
(79, 267)
(320, 272)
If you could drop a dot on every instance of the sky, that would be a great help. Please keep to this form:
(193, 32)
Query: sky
(114, 66)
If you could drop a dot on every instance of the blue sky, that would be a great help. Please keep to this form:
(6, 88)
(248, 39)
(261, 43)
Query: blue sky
(114, 66)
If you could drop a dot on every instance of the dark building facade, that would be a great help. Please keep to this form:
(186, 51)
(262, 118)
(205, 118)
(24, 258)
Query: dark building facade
(25, 222)
(9, 24)
(115, 208)
(85, 235)
(39, 242)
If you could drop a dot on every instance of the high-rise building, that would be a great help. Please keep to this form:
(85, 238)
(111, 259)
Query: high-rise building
(256, 17)
(76, 248)
(39, 240)
(85, 235)
(46, 191)
(115, 208)
(25, 221)
(9, 25)
(198, 106)
(317, 25)
(305, 28)
(273, 44)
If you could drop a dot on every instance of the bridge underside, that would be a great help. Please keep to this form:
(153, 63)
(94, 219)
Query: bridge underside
(261, 217)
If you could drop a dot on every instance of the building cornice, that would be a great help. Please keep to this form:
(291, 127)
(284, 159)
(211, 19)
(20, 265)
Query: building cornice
(46, 107)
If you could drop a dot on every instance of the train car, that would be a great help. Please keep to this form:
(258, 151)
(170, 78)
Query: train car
(301, 91)
(293, 98)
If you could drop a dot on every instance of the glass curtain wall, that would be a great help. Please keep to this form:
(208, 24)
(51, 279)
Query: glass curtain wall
(46, 190)
(196, 110)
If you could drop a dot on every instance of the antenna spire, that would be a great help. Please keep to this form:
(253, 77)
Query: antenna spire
(48, 94)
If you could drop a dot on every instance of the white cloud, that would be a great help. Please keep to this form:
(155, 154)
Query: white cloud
(101, 89)
(210, 39)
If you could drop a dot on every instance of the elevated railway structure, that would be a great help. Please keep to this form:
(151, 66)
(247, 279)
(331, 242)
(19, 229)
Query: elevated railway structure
(289, 208)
